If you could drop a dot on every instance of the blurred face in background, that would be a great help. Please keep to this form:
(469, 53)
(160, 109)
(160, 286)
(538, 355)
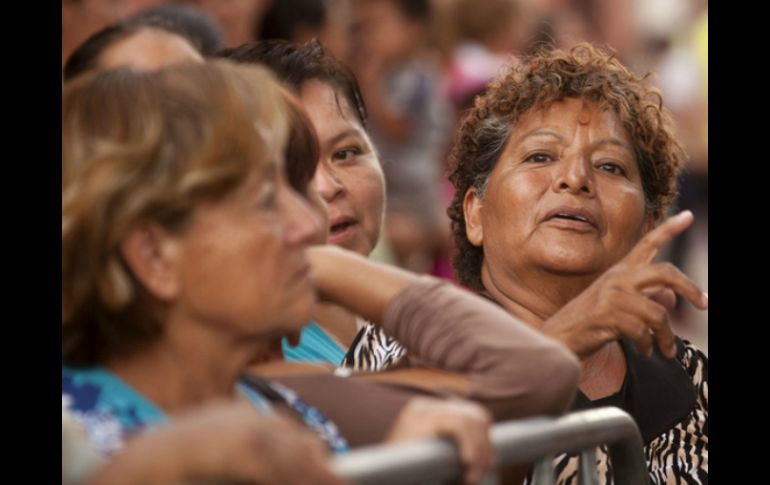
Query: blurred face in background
(384, 32)
(336, 33)
(81, 18)
(149, 49)
(236, 18)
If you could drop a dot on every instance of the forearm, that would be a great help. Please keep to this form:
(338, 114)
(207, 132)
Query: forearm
(356, 283)
(512, 368)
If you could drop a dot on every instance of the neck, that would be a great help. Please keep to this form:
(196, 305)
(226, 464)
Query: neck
(188, 365)
(533, 296)
(336, 321)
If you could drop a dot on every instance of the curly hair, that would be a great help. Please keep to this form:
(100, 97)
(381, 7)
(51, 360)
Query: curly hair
(143, 147)
(534, 83)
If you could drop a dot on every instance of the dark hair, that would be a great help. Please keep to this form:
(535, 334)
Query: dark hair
(283, 17)
(414, 9)
(553, 75)
(86, 56)
(302, 151)
(295, 65)
(188, 21)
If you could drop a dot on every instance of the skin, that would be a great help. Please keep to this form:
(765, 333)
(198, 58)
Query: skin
(349, 176)
(572, 155)
(585, 284)
(351, 185)
(217, 318)
(149, 49)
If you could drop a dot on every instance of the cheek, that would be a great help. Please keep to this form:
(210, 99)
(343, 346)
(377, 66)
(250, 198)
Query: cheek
(322, 212)
(514, 203)
(626, 210)
(368, 190)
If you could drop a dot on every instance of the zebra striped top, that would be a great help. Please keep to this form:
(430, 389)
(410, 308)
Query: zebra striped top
(373, 350)
(668, 399)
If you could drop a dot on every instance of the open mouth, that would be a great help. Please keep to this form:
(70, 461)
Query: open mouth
(573, 217)
(341, 226)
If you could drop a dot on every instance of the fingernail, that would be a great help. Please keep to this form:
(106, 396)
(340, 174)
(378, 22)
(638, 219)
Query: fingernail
(684, 214)
(704, 298)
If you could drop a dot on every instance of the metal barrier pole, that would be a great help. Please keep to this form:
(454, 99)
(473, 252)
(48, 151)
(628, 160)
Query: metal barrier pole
(425, 461)
(516, 442)
(543, 471)
(527, 440)
(587, 473)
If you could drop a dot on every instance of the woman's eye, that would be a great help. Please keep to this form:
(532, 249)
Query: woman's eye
(345, 154)
(539, 158)
(612, 168)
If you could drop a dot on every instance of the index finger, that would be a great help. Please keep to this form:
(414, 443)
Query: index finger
(647, 248)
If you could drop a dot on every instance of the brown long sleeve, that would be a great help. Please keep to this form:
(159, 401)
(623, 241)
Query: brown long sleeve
(514, 370)
(363, 411)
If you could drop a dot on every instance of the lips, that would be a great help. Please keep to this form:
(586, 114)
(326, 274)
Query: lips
(340, 224)
(342, 230)
(577, 215)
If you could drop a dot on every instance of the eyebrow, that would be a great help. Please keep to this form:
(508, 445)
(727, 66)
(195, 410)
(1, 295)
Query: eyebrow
(614, 141)
(342, 135)
(541, 132)
(604, 141)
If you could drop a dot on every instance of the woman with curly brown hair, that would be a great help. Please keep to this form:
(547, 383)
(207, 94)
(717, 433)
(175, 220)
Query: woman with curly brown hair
(563, 172)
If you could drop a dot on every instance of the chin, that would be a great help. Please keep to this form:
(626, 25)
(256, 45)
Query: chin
(571, 263)
(299, 311)
(357, 246)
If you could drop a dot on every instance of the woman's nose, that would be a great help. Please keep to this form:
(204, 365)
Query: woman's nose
(328, 184)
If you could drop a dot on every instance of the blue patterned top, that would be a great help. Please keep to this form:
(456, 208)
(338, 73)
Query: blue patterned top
(110, 410)
(315, 345)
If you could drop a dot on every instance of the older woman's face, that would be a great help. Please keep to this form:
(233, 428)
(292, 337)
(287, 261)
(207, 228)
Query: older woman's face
(565, 196)
(241, 262)
(349, 176)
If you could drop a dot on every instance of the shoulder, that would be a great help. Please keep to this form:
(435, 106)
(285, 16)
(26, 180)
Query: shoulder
(81, 401)
(107, 407)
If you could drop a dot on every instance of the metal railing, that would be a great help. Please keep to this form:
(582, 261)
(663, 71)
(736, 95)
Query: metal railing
(516, 442)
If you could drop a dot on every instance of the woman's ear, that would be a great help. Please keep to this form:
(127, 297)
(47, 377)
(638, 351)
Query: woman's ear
(472, 204)
(151, 253)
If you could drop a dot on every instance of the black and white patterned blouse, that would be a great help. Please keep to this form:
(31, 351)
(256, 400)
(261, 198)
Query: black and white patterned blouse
(372, 350)
(668, 399)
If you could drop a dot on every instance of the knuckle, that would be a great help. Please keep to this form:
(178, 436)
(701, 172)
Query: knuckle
(669, 269)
